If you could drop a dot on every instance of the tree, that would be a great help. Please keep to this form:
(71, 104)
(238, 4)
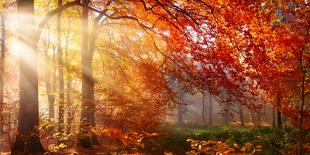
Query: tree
(273, 117)
(2, 59)
(88, 106)
(50, 77)
(61, 91)
(210, 109)
(88, 84)
(27, 138)
(203, 113)
(241, 115)
(180, 120)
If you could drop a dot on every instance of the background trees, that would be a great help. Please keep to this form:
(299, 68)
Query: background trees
(119, 64)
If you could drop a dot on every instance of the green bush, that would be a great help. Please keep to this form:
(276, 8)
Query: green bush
(174, 139)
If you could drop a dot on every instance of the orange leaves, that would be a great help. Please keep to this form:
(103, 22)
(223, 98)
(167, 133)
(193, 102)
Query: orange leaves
(127, 139)
(136, 96)
(219, 147)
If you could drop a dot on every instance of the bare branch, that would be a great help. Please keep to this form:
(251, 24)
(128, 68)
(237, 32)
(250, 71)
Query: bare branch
(51, 14)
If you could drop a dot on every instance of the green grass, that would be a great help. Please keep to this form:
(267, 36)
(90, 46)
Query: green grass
(173, 139)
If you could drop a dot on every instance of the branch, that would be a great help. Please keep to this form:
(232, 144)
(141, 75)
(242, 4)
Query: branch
(50, 15)
(93, 34)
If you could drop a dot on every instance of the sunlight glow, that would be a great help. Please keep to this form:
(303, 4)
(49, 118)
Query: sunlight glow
(21, 51)
(16, 47)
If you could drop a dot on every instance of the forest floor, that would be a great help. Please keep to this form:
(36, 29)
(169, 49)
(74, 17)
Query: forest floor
(220, 139)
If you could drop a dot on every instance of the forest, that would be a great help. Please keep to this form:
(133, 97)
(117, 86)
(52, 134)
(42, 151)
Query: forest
(154, 77)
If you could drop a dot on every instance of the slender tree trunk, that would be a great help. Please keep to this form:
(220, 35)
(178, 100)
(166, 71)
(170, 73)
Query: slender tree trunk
(300, 143)
(259, 118)
(226, 115)
(69, 104)
(203, 114)
(61, 88)
(50, 80)
(2, 71)
(279, 118)
(2, 58)
(241, 115)
(273, 117)
(27, 138)
(250, 116)
(210, 109)
(265, 113)
(227, 108)
(50, 92)
(180, 116)
(180, 121)
(284, 118)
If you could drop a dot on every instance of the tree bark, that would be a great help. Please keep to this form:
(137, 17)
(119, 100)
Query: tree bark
(226, 111)
(61, 88)
(273, 117)
(210, 109)
(279, 118)
(88, 106)
(2, 71)
(180, 121)
(226, 115)
(27, 138)
(2, 59)
(301, 111)
(250, 116)
(241, 115)
(50, 88)
(259, 118)
(50, 76)
(203, 114)
(265, 113)
(69, 105)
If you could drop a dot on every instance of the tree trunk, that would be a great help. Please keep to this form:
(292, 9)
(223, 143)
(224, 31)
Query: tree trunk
(180, 121)
(227, 110)
(273, 117)
(88, 106)
(50, 86)
(203, 114)
(300, 143)
(250, 116)
(279, 118)
(180, 116)
(265, 113)
(210, 109)
(69, 104)
(241, 115)
(2, 59)
(50, 76)
(2, 71)
(258, 118)
(92, 41)
(27, 138)
(61, 88)
(226, 115)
